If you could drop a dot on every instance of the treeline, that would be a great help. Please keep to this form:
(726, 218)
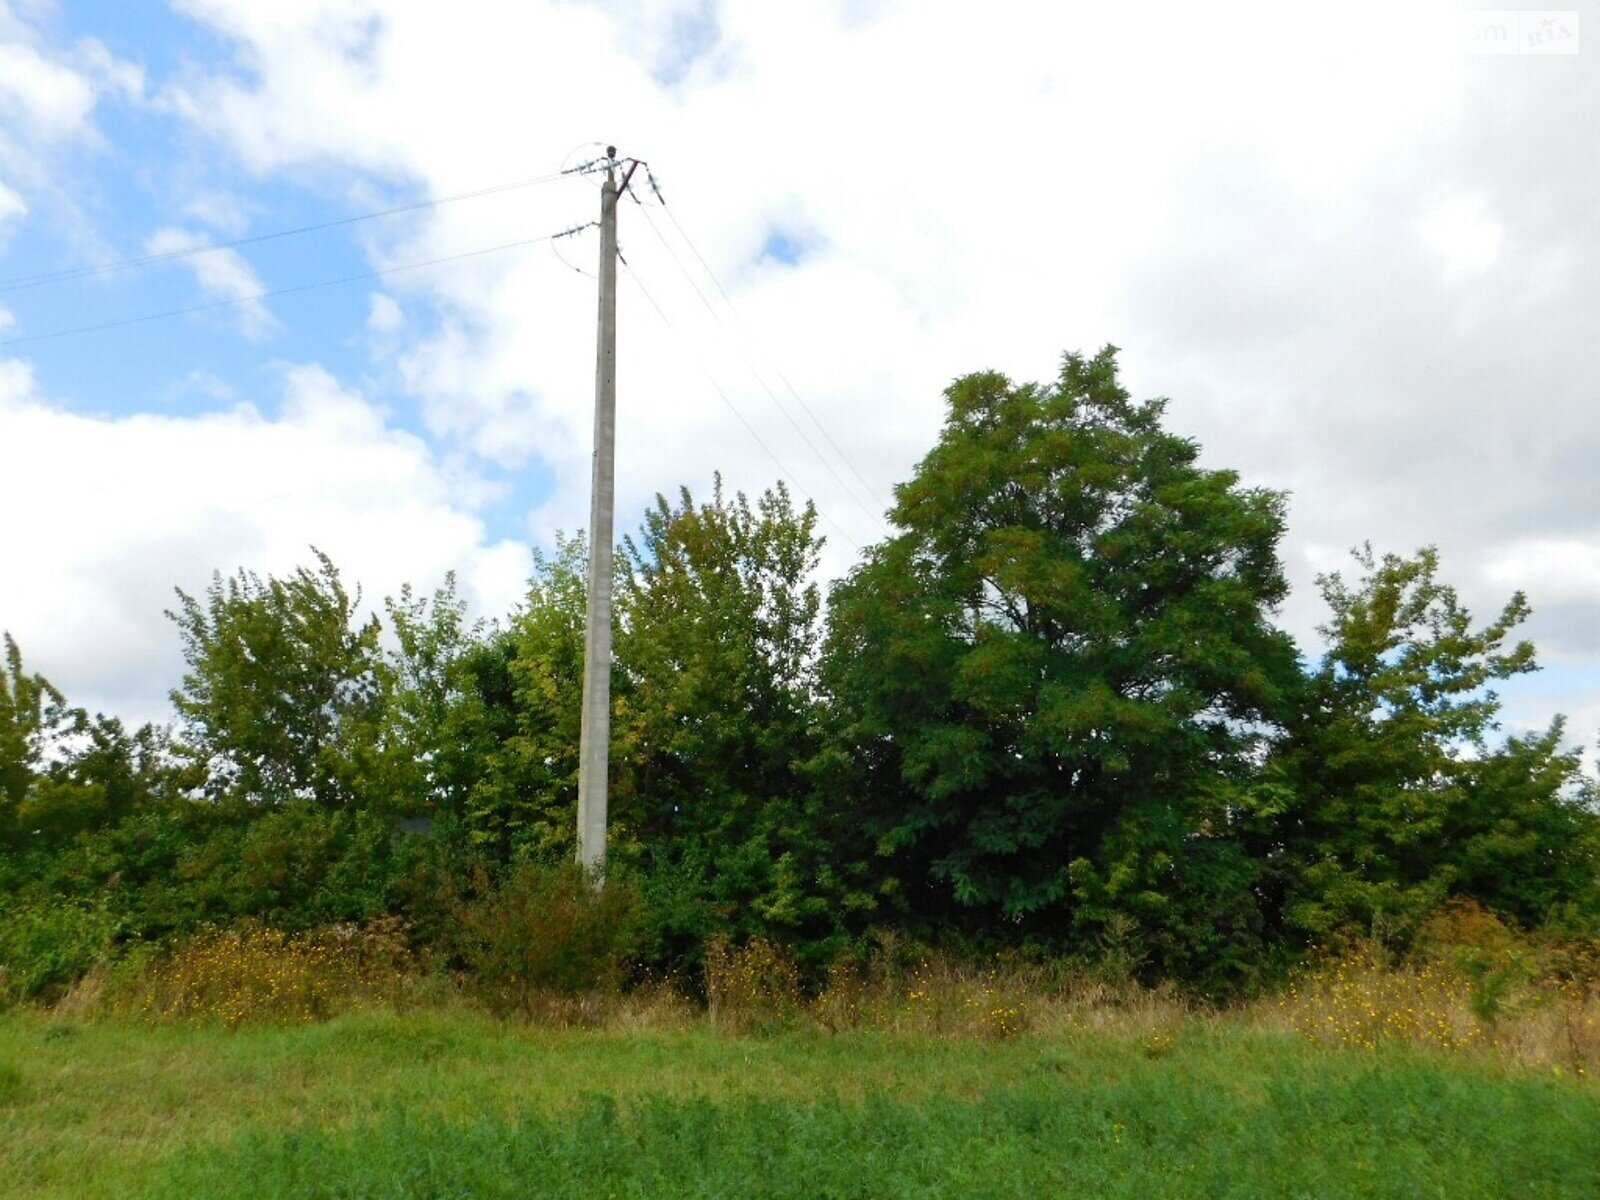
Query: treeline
(1051, 711)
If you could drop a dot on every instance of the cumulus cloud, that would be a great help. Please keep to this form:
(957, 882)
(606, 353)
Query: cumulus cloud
(132, 507)
(11, 204)
(384, 315)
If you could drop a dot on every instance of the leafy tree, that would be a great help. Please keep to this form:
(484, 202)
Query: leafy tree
(282, 699)
(420, 760)
(717, 720)
(1058, 674)
(63, 771)
(1400, 799)
(34, 719)
(519, 721)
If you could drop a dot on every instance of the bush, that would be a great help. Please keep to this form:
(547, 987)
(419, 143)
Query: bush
(750, 988)
(548, 942)
(250, 974)
(45, 948)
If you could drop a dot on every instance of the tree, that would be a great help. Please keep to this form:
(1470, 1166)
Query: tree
(282, 699)
(517, 728)
(62, 771)
(717, 720)
(420, 759)
(1400, 799)
(34, 717)
(1059, 673)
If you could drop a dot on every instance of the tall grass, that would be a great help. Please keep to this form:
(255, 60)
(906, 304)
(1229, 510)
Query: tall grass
(1402, 1133)
(1359, 1001)
(545, 947)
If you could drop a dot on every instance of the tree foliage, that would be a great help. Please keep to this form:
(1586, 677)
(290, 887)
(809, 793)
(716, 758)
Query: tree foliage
(718, 721)
(281, 698)
(1400, 798)
(1059, 665)
(1052, 707)
(63, 772)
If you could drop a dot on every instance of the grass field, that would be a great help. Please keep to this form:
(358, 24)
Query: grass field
(455, 1105)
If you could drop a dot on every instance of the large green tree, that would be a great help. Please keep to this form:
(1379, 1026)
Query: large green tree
(1057, 674)
(518, 724)
(713, 801)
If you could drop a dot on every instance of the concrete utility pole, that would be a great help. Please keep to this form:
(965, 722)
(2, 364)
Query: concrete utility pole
(594, 744)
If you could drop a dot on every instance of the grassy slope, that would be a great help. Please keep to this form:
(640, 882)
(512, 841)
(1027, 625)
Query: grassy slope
(449, 1105)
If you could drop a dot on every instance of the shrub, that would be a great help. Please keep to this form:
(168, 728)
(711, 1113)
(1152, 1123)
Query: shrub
(250, 973)
(1357, 1000)
(44, 948)
(750, 988)
(548, 942)
(1497, 962)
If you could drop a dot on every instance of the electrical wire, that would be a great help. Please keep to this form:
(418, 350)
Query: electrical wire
(31, 281)
(783, 471)
(772, 395)
(777, 370)
(231, 301)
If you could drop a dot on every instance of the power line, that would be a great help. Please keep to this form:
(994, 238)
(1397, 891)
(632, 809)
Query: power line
(783, 471)
(772, 395)
(303, 287)
(777, 370)
(31, 281)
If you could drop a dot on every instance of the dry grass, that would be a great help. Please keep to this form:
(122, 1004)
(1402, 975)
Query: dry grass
(909, 990)
(1359, 1001)
(251, 974)
(1470, 988)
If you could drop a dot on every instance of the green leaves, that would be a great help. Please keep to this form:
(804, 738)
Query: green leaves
(718, 720)
(282, 690)
(1401, 800)
(63, 772)
(1071, 627)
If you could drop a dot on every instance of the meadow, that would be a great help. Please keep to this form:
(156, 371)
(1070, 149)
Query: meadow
(1147, 1098)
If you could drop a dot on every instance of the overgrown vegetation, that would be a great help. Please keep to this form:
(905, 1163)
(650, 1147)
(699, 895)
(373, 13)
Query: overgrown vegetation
(1049, 723)
(1134, 1101)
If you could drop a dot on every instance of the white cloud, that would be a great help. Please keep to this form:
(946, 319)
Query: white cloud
(11, 204)
(221, 210)
(1465, 236)
(1357, 261)
(138, 505)
(50, 101)
(220, 272)
(384, 315)
(48, 97)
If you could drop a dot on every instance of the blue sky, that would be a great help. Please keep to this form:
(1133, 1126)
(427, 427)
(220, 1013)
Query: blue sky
(151, 170)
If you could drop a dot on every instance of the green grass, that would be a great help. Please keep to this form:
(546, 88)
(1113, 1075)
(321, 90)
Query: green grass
(455, 1106)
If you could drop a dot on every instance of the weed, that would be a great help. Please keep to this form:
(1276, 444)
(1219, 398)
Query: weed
(11, 1085)
(249, 973)
(750, 988)
(547, 943)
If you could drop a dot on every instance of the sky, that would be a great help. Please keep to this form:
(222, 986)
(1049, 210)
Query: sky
(1358, 254)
